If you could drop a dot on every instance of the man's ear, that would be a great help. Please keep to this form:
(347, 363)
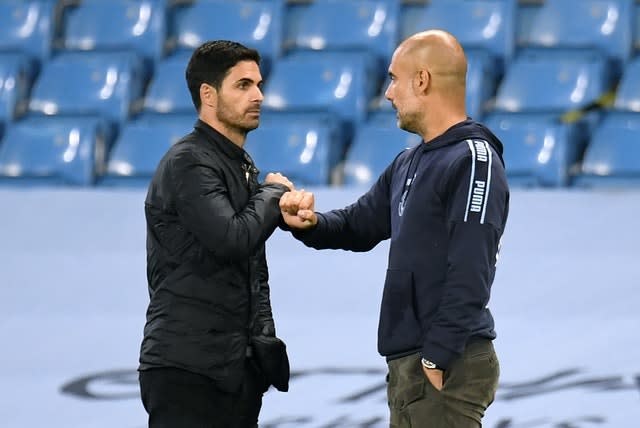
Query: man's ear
(422, 81)
(208, 95)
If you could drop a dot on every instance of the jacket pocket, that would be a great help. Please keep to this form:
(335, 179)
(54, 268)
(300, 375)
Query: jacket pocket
(399, 328)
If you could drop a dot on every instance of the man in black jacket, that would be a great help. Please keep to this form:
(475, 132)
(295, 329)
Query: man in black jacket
(207, 222)
(444, 205)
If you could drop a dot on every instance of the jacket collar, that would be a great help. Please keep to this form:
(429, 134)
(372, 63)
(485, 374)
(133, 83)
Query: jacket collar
(220, 141)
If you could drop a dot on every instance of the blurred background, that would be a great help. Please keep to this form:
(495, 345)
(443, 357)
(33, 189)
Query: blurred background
(92, 94)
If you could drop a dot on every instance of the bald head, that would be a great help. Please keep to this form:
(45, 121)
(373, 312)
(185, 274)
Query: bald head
(428, 83)
(440, 54)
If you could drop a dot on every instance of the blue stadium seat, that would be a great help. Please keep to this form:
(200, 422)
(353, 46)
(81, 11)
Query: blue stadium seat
(140, 146)
(482, 79)
(612, 158)
(116, 25)
(538, 149)
(605, 26)
(376, 143)
(254, 23)
(487, 25)
(168, 92)
(17, 72)
(360, 25)
(532, 114)
(549, 83)
(628, 91)
(636, 29)
(305, 147)
(28, 26)
(339, 82)
(525, 16)
(54, 151)
(386, 118)
(89, 83)
(379, 103)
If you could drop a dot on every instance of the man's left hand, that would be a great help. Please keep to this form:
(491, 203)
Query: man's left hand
(435, 376)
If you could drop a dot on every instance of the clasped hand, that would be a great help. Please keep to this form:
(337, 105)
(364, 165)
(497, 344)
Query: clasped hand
(297, 209)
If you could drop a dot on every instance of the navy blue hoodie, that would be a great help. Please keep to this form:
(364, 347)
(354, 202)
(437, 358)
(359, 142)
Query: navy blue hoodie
(444, 205)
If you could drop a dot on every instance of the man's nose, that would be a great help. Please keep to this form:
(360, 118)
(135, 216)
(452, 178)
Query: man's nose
(259, 96)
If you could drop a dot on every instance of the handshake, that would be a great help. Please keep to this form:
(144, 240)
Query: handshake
(296, 206)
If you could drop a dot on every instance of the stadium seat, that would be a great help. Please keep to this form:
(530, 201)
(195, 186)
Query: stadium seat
(28, 26)
(305, 147)
(383, 117)
(612, 158)
(89, 83)
(117, 25)
(525, 16)
(636, 30)
(539, 150)
(570, 87)
(604, 26)
(549, 83)
(628, 90)
(168, 92)
(54, 151)
(17, 72)
(339, 82)
(358, 25)
(140, 146)
(254, 23)
(376, 143)
(487, 25)
(482, 81)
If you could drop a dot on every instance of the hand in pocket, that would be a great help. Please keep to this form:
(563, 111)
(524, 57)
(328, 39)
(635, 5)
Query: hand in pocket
(435, 376)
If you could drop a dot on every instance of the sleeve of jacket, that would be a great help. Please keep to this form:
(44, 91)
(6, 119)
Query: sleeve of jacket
(264, 322)
(203, 204)
(358, 227)
(476, 214)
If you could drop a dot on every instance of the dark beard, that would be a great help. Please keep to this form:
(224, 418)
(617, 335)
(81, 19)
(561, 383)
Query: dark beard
(230, 123)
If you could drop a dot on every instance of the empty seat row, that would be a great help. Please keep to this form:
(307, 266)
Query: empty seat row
(114, 84)
(81, 151)
(369, 27)
(531, 102)
(156, 28)
(310, 149)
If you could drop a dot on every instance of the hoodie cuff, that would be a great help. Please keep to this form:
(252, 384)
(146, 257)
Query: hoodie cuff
(311, 235)
(442, 357)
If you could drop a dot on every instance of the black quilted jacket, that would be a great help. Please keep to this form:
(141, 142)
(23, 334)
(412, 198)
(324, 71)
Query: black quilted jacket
(207, 221)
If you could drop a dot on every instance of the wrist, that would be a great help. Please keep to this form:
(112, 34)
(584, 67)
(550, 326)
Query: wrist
(430, 364)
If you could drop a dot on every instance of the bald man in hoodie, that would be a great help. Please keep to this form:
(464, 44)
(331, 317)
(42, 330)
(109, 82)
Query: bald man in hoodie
(444, 205)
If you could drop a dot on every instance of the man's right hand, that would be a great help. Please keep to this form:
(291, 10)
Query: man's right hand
(297, 209)
(276, 177)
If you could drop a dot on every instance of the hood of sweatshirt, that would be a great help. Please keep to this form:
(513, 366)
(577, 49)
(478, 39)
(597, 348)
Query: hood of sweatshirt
(469, 129)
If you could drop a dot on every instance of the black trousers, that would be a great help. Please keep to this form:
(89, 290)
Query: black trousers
(176, 398)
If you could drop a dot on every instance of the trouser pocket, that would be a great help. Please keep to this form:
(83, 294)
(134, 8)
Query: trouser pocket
(413, 401)
(472, 380)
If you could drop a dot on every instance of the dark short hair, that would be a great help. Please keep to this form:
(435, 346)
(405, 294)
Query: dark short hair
(210, 63)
